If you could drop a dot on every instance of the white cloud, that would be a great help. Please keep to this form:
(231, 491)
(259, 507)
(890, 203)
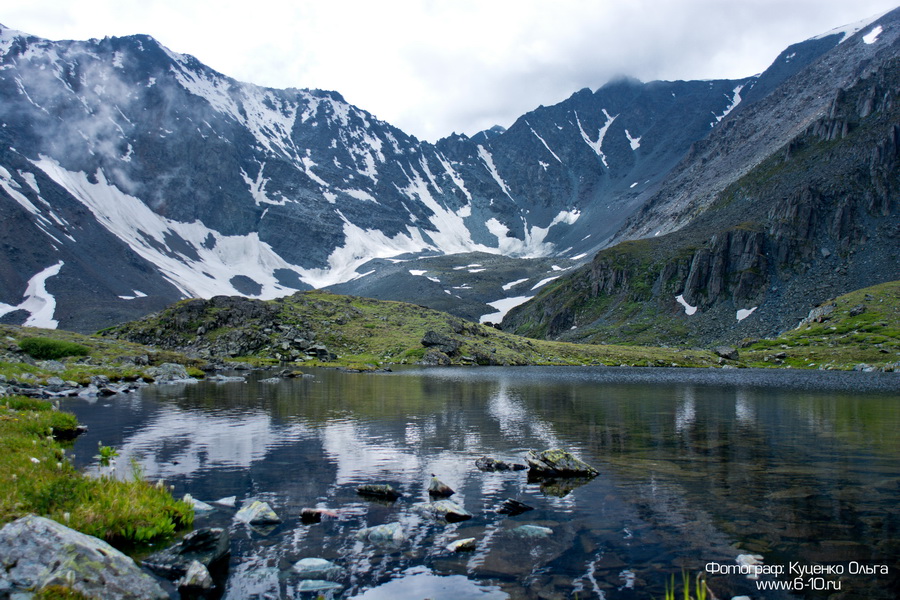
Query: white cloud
(435, 67)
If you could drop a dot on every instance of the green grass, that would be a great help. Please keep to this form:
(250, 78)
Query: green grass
(37, 478)
(42, 348)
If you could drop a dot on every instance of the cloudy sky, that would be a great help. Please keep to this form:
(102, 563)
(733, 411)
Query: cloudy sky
(433, 67)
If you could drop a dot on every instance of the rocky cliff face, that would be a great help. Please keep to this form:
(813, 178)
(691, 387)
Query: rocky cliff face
(132, 176)
(814, 220)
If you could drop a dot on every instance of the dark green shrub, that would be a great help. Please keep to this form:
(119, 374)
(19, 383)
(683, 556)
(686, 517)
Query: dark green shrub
(50, 349)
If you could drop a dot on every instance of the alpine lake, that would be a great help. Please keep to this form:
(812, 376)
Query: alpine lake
(758, 479)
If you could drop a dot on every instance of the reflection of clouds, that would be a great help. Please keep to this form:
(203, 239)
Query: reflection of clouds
(360, 457)
(516, 421)
(743, 408)
(686, 411)
(197, 440)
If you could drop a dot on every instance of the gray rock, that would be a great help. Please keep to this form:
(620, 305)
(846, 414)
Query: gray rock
(52, 365)
(463, 545)
(198, 505)
(435, 358)
(379, 491)
(558, 463)
(228, 502)
(433, 339)
(196, 580)
(36, 552)
(438, 488)
(170, 373)
(217, 378)
(727, 352)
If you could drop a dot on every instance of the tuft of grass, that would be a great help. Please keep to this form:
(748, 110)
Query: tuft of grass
(38, 478)
(700, 591)
(42, 348)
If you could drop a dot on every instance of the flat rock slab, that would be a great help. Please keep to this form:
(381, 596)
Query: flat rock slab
(36, 552)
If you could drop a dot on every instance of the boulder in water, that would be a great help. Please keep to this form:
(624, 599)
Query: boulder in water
(558, 463)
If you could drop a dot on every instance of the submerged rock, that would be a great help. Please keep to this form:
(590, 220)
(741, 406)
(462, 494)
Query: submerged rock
(36, 552)
(257, 513)
(382, 492)
(486, 463)
(206, 546)
(391, 534)
(318, 568)
(558, 463)
(315, 515)
(463, 545)
(318, 585)
(531, 531)
(513, 507)
(444, 509)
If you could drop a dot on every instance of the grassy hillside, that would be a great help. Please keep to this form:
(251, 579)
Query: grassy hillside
(364, 333)
(859, 328)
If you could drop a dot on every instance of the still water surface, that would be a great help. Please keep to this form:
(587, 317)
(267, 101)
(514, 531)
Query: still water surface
(696, 468)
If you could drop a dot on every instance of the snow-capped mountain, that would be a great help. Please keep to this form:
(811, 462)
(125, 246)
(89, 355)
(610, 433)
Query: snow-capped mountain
(132, 176)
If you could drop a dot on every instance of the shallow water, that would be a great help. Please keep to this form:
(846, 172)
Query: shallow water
(696, 468)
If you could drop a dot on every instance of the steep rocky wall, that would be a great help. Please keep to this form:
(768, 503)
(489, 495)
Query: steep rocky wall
(815, 220)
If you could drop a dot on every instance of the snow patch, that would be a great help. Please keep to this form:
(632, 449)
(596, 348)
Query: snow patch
(489, 163)
(735, 100)
(205, 270)
(508, 286)
(503, 306)
(545, 165)
(37, 301)
(543, 282)
(597, 146)
(872, 36)
(454, 176)
(136, 294)
(847, 31)
(744, 313)
(361, 195)
(634, 141)
(688, 309)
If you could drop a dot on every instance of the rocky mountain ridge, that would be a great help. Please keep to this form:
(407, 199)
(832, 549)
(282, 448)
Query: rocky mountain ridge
(814, 220)
(132, 176)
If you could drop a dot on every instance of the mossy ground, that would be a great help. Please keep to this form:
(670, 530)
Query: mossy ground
(37, 478)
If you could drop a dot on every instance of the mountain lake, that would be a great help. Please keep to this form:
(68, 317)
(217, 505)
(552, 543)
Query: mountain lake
(759, 479)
